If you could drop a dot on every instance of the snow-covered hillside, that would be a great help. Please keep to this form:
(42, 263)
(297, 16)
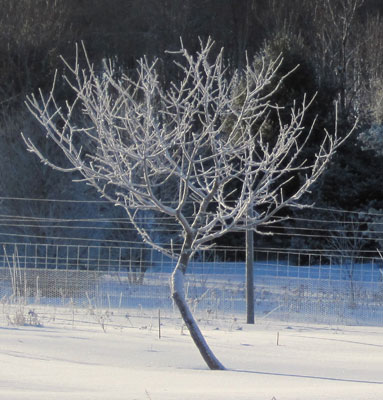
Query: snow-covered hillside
(309, 363)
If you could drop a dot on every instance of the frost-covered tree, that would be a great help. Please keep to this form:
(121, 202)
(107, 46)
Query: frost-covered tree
(201, 138)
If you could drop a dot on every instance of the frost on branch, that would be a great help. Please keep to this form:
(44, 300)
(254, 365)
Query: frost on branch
(135, 140)
(177, 150)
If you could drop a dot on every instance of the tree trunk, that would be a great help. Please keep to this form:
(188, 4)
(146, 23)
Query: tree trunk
(178, 295)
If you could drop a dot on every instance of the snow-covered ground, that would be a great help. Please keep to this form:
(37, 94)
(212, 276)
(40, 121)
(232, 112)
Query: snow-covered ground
(58, 361)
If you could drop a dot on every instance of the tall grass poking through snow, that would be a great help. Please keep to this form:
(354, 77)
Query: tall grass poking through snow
(15, 305)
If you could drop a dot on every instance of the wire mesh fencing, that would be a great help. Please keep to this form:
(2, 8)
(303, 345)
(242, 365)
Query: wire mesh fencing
(108, 284)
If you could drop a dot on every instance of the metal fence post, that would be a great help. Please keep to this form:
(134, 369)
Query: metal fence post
(250, 274)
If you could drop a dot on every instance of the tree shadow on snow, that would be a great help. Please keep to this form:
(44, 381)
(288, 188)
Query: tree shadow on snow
(323, 378)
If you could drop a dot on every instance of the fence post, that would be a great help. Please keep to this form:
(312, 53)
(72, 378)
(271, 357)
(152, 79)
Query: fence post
(250, 273)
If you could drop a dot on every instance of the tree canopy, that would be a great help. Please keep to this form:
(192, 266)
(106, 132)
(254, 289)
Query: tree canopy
(337, 44)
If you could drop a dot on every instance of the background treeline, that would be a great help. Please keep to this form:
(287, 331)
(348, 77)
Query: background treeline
(338, 45)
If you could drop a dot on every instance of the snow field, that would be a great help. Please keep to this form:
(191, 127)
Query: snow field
(310, 362)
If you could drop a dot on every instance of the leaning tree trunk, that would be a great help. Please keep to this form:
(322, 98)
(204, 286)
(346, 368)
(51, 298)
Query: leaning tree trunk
(178, 295)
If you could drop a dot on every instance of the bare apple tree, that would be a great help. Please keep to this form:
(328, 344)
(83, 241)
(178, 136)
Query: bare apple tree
(135, 141)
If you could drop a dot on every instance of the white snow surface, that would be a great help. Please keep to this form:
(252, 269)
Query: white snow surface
(311, 362)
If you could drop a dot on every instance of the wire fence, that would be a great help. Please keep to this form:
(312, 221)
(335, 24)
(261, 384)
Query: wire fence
(89, 281)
